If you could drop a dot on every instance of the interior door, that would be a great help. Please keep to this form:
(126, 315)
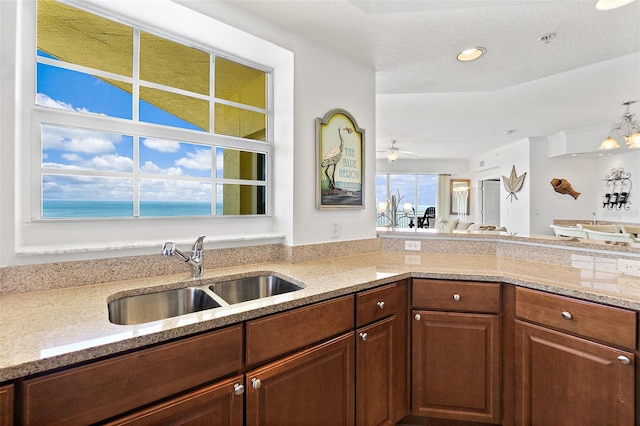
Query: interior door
(491, 202)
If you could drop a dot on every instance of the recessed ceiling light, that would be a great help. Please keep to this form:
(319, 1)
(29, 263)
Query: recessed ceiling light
(470, 54)
(611, 4)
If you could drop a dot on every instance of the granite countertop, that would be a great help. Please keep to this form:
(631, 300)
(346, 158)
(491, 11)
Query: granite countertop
(44, 330)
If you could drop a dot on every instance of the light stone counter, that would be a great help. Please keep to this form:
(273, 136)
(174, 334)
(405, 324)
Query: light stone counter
(44, 330)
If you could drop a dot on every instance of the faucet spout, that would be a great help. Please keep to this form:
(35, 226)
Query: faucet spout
(195, 261)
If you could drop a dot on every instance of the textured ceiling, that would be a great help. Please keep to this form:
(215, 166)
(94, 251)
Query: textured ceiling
(438, 107)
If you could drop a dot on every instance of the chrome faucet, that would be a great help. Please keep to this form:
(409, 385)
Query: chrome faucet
(195, 260)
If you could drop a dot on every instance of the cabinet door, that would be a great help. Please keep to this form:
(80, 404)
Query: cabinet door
(220, 404)
(375, 367)
(312, 387)
(562, 380)
(6, 405)
(456, 366)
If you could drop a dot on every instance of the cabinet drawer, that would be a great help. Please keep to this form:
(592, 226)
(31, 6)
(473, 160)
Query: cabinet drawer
(372, 305)
(102, 389)
(278, 334)
(461, 296)
(604, 323)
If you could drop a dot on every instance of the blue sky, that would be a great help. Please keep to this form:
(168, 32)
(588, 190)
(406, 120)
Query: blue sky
(76, 149)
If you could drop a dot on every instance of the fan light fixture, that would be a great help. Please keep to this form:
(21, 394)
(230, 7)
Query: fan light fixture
(392, 153)
(627, 127)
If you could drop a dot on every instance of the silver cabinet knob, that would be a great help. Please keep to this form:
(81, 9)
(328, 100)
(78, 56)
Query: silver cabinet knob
(363, 336)
(567, 315)
(256, 383)
(380, 305)
(456, 297)
(238, 389)
(624, 359)
(417, 317)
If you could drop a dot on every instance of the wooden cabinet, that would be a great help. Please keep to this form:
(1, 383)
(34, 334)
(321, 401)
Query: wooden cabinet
(456, 352)
(103, 389)
(312, 387)
(6, 405)
(381, 355)
(221, 404)
(570, 364)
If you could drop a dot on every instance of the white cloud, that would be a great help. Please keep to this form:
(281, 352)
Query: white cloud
(152, 168)
(162, 145)
(165, 190)
(45, 101)
(199, 160)
(76, 140)
(110, 162)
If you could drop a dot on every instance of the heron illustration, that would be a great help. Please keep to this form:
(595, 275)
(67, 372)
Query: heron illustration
(332, 157)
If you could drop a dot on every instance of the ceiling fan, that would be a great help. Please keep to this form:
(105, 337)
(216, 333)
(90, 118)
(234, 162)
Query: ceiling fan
(393, 153)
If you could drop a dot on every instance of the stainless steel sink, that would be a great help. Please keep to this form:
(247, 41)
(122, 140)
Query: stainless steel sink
(143, 308)
(251, 288)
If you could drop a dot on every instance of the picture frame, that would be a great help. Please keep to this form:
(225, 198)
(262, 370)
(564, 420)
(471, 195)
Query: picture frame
(339, 161)
(459, 196)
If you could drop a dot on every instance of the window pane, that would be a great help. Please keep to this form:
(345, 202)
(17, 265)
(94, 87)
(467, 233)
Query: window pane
(86, 197)
(239, 122)
(76, 149)
(172, 64)
(171, 109)
(405, 184)
(240, 83)
(75, 36)
(241, 199)
(173, 158)
(75, 91)
(234, 164)
(174, 198)
(427, 185)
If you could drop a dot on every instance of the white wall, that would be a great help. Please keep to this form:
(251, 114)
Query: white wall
(546, 203)
(514, 213)
(538, 204)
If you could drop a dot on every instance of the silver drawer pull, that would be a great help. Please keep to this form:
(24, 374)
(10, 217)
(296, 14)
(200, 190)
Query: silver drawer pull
(456, 297)
(567, 315)
(417, 317)
(363, 336)
(624, 359)
(256, 383)
(238, 389)
(380, 305)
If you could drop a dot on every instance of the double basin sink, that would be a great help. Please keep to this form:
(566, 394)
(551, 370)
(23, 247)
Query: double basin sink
(148, 307)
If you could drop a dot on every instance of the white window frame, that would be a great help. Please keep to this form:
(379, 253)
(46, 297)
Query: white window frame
(39, 241)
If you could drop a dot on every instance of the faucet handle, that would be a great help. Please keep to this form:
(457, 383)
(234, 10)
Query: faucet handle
(168, 248)
(199, 244)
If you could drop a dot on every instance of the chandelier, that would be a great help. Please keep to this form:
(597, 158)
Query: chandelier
(626, 128)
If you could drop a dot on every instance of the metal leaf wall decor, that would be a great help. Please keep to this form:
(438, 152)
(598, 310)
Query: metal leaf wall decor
(513, 183)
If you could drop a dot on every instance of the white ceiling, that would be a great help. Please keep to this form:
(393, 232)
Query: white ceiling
(437, 107)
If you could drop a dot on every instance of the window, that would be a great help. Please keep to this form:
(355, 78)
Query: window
(135, 124)
(417, 191)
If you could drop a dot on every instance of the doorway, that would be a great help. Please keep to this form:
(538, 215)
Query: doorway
(490, 192)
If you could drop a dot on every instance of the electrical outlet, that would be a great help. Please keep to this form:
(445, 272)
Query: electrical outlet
(334, 229)
(629, 267)
(412, 245)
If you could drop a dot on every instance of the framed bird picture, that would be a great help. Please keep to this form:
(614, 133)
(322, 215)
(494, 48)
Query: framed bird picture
(339, 161)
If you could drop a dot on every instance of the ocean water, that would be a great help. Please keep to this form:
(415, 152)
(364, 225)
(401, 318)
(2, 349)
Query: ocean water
(67, 209)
